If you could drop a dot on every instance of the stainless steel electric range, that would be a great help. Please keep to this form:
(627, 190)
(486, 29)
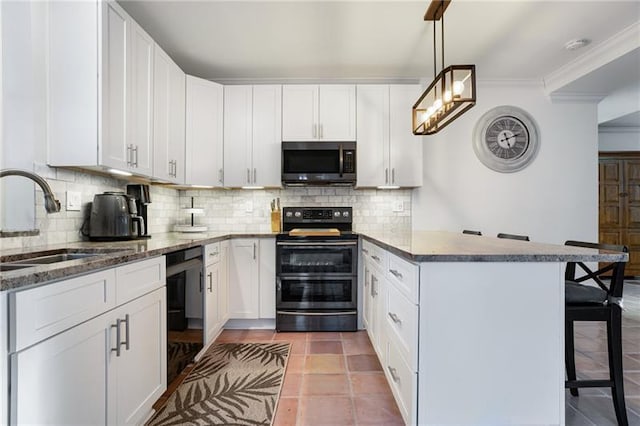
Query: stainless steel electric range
(316, 270)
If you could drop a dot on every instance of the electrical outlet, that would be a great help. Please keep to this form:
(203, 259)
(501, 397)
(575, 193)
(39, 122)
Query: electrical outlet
(74, 201)
(398, 206)
(248, 207)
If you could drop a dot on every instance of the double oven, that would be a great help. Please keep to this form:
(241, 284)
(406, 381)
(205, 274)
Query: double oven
(316, 270)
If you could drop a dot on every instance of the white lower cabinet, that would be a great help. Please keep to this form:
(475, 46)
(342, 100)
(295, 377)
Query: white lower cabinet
(216, 289)
(252, 278)
(109, 369)
(391, 317)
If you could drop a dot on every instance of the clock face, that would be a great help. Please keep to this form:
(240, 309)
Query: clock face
(505, 139)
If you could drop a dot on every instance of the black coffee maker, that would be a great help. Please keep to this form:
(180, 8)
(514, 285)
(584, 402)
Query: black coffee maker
(140, 193)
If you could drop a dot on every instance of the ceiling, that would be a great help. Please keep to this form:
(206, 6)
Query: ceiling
(384, 41)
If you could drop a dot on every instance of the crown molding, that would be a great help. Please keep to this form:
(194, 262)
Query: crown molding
(618, 129)
(576, 98)
(511, 82)
(614, 47)
(232, 81)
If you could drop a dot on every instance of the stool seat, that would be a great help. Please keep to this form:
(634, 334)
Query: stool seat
(578, 294)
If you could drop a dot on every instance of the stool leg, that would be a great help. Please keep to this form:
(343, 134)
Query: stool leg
(616, 372)
(569, 353)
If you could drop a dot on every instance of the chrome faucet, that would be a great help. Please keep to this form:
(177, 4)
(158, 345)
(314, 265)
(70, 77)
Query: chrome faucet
(50, 203)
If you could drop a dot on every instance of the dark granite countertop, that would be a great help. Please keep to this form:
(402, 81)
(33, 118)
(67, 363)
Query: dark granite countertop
(419, 246)
(440, 246)
(111, 254)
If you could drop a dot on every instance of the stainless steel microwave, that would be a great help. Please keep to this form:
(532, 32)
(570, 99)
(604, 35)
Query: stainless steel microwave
(318, 163)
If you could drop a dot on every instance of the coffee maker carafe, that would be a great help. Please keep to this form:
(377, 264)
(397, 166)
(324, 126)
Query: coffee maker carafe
(139, 193)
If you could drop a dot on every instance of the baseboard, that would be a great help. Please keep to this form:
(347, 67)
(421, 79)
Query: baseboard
(251, 324)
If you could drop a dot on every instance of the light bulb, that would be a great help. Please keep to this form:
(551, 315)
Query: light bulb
(458, 88)
(447, 97)
(437, 104)
(430, 111)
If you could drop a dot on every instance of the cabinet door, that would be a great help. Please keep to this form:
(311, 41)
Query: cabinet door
(237, 136)
(142, 364)
(64, 380)
(267, 275)
(267, 135)
(168, 119)
(299, 112)
(223, 290)
(378, 310)
(244, 301)
(337, 112)
(211, 312)
(204, 136)
(114, 149)
(366, 297)
(405, 148)
(140, 96)
(373, 135)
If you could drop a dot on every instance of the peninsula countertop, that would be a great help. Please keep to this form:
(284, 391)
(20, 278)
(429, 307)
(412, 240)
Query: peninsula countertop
(417, 246)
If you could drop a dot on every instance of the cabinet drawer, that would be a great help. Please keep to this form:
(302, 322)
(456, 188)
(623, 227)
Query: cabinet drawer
(211, 253)
(377, 255)
(405, 277)
(401, 317)
(44, 311)
(403, 382)
(138, 278)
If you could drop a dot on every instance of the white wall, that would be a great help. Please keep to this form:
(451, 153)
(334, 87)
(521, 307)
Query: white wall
(554, 199)
(619, 103)
(619, 139)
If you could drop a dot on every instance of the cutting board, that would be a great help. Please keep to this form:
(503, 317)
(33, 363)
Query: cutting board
(319, 232)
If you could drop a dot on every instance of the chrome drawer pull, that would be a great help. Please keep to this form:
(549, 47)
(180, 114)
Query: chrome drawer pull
(117, 348)
(395, 318)
(397, 274)
(126, 333)
(210, 275)
(394, 373)
(364, 250)
(376, 258)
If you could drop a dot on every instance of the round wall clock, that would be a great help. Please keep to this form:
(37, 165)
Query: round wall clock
(506, 139)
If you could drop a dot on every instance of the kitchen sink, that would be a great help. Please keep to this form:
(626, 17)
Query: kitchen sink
(55, 258)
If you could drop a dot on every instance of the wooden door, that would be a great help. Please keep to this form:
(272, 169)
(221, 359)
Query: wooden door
(619, 207)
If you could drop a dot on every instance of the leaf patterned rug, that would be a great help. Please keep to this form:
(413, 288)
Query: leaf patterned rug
(232, 384)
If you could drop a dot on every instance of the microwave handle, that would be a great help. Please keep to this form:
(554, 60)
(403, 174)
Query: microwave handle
(341, 161)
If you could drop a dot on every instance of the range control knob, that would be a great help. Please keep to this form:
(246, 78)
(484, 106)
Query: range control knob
(345, 213)
(289, 214)
(336, 213)
(298, 214)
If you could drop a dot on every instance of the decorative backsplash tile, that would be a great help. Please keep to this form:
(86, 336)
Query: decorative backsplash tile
(224, 210)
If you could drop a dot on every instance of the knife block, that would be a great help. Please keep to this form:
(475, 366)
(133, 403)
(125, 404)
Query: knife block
(275, 221)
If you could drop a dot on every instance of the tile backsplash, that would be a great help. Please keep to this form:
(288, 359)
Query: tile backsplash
(248, 210)
(224, 210)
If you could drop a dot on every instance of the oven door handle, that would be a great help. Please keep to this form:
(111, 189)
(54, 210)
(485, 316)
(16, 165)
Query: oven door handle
(315, 314)
(309, 244)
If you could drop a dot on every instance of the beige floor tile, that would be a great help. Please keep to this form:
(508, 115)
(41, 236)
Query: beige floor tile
(326, 411)
(324, 364)
(325, 384)
(286, 412)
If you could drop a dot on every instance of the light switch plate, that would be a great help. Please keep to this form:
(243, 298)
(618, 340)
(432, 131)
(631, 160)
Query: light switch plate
(398, 206)
(74, 201)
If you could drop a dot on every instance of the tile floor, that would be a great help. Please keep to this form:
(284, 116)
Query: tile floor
(594, 406)
(336, 379)
(331, 379)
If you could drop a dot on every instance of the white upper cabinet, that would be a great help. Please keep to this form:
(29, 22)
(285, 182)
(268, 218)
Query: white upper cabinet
(100, 110)
(252, 135)
(319, 112)
(204, 120)
(169, 119)
(388, 152)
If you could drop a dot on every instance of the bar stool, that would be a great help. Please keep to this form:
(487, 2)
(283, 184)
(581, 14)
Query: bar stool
(514, 237)
(601, 303)
(470, 232)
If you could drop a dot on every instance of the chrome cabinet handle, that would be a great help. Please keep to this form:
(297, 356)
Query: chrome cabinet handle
(170, 167)
(248, 175)
(255, 174)
(126, 333)
(396, 273)
(135, 151)
(374, 292)
(321, 131)
(365, 251)
(394, 373)
(393, 175)
(386, 175)
(201, 277)
(129, 155)
(315, 130)
(117, 327)
(220, 176)
(395, 318)
(210, 275)
(254, 251)
(376, 258)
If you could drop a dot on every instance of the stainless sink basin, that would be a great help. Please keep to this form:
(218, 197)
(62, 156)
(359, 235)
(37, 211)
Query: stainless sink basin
(55, 258)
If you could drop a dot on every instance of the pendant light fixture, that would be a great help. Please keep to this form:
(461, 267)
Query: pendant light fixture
(453, 90)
